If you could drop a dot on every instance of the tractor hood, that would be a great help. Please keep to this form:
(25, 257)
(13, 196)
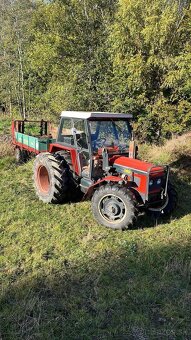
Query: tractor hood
(124, 164)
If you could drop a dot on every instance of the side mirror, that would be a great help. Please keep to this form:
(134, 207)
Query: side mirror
(105, 159)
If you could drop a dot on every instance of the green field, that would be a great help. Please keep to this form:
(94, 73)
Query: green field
(65, 277)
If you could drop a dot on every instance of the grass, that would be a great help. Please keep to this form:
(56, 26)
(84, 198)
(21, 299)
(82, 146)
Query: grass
(6, 149)
(65, 277)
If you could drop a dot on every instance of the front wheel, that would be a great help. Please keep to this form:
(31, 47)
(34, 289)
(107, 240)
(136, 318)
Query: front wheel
(113, 207)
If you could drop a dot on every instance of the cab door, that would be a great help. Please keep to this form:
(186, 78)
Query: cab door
(83, 149)
(67, 144)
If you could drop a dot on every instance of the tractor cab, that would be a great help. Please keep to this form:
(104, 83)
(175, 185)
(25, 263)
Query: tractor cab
(97, 139)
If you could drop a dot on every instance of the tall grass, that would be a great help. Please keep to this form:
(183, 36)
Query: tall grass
(6, 149)
(173, 150)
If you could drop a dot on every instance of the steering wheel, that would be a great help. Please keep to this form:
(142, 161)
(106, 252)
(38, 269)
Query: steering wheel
(99, 143)
(123, 148)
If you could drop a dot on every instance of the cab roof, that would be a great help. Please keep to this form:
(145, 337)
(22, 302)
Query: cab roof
(87, 115)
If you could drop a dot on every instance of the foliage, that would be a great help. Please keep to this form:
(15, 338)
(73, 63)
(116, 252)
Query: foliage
(5, 125)
(151, 56)
(126, 55)
(68, 37)
(15, 16)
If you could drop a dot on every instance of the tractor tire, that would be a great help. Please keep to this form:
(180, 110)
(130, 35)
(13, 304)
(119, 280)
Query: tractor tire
(21, 156)
(114, 207)
(51, 178)
(172, 197)
(75, 194)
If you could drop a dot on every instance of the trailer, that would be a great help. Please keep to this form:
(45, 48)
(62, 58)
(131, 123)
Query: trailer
(28, 144)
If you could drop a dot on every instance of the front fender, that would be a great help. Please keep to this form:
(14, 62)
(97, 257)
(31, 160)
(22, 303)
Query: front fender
(103, 181)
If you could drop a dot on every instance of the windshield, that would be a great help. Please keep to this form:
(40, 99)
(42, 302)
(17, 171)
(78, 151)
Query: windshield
(112, 134)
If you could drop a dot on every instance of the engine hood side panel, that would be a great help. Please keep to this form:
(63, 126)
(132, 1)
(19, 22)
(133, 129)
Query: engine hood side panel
(137, 165)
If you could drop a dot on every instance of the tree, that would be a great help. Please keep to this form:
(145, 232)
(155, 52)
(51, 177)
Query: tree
(15, 16)
(149, 44)
(71, 39)
(107, 55)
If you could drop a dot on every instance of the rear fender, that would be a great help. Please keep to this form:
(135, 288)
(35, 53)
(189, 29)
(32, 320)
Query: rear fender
(55, 147)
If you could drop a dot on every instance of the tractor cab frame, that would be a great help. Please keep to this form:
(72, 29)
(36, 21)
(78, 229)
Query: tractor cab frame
(95, 138)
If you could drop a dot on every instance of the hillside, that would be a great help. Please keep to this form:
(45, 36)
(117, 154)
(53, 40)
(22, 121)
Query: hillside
(65, 277)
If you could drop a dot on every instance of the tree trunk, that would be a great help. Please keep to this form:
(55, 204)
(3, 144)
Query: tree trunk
(23, 101)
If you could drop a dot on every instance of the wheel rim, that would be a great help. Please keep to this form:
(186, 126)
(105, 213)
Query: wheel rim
(43, 179)
(112, 208)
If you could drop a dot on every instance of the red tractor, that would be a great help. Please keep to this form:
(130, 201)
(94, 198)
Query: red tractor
(94, 155)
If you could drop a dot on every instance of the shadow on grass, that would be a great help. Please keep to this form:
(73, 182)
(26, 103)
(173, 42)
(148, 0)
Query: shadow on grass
(134, 293)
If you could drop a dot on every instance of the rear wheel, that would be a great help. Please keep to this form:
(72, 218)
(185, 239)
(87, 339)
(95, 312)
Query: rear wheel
(21, 156)
(51, 179)
(114, 207)
(74, 194)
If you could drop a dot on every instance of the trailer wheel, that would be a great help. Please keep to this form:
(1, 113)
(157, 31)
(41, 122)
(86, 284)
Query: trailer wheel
(50, 178)
(114, 207)
(21, 156)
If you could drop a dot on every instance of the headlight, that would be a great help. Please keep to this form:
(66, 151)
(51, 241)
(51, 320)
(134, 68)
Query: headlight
(159, 181)
(151, 182)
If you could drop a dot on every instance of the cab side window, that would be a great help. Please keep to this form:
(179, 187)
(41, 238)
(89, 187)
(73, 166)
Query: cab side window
(80, 133)
(65, 134)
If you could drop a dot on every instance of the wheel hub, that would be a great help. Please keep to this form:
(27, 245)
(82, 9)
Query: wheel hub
(112, 208)
(43, 179)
